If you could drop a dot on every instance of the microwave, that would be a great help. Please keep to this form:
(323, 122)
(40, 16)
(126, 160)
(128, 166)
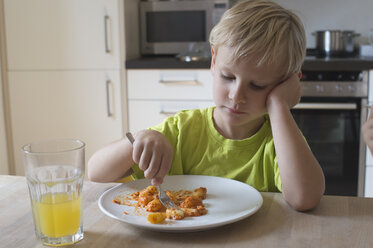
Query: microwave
(174, 27)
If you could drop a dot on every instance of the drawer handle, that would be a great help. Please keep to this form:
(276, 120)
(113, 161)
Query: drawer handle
(108, 98)
(107, 25)
(181, 82)
(163, 112)
(326, 106)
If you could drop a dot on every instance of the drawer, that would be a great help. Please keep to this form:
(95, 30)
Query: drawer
(143, 114)
(170, 84)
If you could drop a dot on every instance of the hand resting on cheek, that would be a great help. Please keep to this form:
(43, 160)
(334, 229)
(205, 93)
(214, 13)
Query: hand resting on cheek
(287, 92)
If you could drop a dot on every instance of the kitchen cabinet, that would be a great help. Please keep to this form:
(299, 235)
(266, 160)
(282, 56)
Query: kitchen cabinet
(156, 94)
(64, 71)
(62, 34)
(368, 189)
(54, 104)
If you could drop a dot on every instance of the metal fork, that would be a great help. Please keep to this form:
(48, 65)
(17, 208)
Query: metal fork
(163, 197)
(165, 200)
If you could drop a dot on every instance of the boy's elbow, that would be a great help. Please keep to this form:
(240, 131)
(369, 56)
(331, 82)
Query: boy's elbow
(303, 202)
(92, 174)
(303, 205)
(92, 177)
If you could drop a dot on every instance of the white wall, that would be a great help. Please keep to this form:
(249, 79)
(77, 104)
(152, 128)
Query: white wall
(333, 14)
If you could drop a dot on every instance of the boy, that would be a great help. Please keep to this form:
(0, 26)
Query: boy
(257, 52)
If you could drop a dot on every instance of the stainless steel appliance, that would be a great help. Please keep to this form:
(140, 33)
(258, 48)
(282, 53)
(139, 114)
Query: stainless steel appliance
(330, 114)
(174, 27)
(336, 43)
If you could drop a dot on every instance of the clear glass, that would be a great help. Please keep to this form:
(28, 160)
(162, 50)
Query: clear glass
(55, 173)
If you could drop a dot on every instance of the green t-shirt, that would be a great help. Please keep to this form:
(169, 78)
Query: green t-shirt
(199, 149)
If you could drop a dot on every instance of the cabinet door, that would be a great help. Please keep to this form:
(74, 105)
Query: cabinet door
(62, 34)
(65, 104)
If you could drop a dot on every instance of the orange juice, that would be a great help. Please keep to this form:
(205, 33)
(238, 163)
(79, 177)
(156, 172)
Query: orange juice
(58, 214)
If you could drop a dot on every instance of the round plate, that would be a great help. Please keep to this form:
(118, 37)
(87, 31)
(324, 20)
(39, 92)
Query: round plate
(227, 201)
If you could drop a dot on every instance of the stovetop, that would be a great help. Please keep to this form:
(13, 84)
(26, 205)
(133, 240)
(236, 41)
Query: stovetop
(313, 52)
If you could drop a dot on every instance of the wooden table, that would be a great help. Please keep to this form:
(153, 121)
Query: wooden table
(336, 222)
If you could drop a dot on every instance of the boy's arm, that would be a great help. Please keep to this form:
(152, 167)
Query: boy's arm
(302, 178)
(111, 162)
(151, 151)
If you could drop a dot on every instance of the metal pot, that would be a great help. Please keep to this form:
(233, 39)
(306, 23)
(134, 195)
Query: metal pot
(335, 43)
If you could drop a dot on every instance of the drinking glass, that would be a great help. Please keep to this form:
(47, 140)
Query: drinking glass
(55, 173)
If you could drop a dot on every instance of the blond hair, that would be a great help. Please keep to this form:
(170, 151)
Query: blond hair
(260, 27)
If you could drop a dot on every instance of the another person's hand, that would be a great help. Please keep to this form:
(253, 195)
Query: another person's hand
(287, 92)
(153, 153)
(367, 130)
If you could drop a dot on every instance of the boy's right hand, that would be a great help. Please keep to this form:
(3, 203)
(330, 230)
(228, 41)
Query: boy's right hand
(153, 153)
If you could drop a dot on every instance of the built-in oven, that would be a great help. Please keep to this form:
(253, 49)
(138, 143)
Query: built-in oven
(330, 114)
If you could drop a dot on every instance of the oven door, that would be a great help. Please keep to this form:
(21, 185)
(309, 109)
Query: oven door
(331, 127)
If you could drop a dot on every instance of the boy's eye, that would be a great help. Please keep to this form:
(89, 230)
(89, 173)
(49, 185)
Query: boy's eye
(257, 87)
(227, 77)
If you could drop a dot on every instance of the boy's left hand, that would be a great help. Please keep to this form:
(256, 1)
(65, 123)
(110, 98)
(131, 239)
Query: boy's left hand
(287, 92)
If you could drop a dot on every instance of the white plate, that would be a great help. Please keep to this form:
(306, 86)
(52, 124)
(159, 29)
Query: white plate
(227, 201)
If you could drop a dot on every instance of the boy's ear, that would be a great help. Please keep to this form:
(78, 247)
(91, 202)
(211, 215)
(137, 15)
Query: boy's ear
(212, 58)
(300, 74)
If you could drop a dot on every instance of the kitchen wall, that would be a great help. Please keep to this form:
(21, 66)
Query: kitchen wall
(333, 14)
(316, 15)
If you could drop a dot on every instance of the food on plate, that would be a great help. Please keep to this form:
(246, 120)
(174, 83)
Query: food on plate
(174, 214)
(156, 218)
(189, 202)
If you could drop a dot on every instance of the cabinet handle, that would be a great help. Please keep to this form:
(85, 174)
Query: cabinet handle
(165, 112)
(326, 106)
(108, 105)
(107, 25)
(181, 82)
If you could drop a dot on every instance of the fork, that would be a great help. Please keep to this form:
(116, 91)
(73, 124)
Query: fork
(163, 197)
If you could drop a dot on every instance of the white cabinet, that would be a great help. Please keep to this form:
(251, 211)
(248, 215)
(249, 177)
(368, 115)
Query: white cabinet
(64, 71)
(156, 94)
(368, 189)
(62, 34)
(78, 105)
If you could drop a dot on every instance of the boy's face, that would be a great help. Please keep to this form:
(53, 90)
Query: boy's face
(241, 89)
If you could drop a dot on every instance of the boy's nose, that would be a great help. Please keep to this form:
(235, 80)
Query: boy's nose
(236, 94)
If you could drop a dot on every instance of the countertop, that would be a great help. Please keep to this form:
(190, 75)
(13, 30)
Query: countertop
(310, 63)
(337, 222)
